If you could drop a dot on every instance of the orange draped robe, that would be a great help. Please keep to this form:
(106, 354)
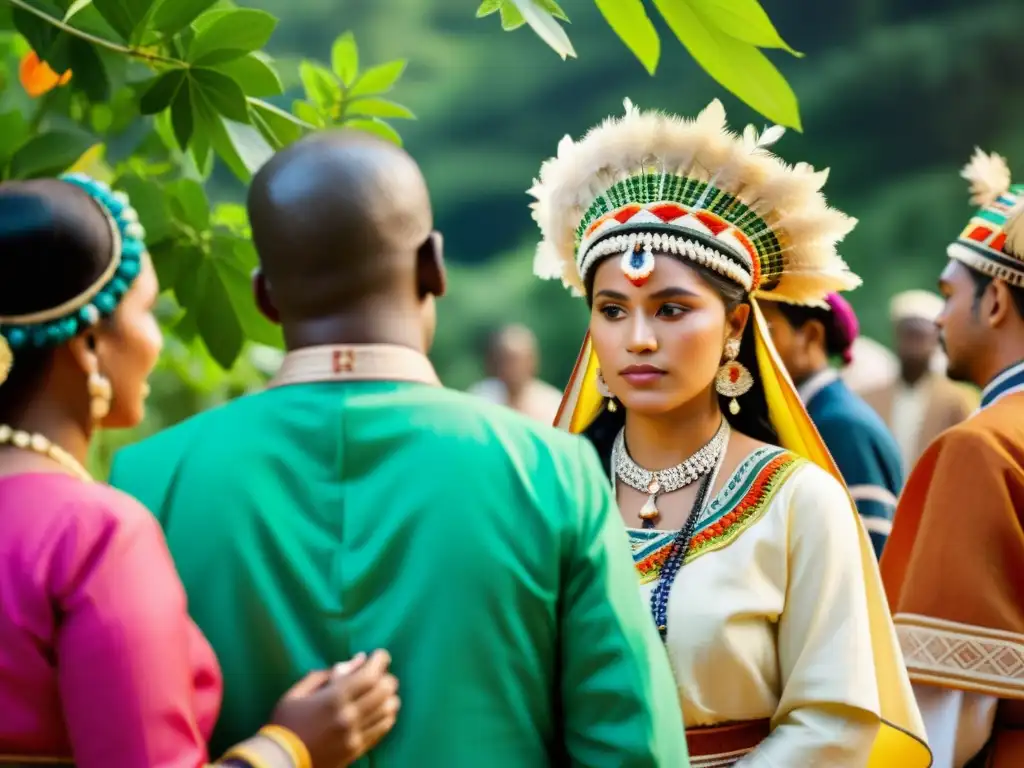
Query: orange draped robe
(954, 570)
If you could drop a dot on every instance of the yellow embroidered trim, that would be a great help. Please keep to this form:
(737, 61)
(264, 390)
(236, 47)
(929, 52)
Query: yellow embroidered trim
(960, 656)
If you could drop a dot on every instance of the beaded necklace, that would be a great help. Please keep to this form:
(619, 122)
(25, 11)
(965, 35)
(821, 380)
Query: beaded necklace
(681, 543)
(33, 441)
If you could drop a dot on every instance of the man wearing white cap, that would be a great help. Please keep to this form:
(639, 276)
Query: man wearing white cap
(922, 402)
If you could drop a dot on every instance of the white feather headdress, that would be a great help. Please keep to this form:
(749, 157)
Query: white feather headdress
(657, 182)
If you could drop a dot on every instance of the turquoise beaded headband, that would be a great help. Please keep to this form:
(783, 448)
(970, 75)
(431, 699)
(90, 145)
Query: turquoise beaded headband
(53, 327)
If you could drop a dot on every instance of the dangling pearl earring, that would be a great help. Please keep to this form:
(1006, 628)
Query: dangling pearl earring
(733, 379)
(101, 393)
(606, 393)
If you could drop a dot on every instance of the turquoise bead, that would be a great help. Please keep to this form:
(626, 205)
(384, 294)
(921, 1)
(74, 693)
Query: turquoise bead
(40, 337)
(105, 302)
(133, 248)
(54, 334)
(69, 326)
(118, 287)
(129, 268)
(16, 337)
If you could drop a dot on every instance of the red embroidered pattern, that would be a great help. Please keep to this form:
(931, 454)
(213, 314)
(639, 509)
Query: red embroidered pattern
(749, 509)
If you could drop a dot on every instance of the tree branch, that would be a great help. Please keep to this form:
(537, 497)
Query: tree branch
(95, 40)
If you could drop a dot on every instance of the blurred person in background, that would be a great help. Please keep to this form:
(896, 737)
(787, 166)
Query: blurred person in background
(872, 366)
(512, 363)
(954, 565)
(808, 339)
(100, 664)
(921, 402)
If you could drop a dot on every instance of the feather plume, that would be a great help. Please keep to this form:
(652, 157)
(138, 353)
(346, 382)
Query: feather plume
(989, 176)
(1014, 230)
(702, 148)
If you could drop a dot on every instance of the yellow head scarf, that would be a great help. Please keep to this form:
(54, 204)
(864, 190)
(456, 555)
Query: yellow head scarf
(745, 214)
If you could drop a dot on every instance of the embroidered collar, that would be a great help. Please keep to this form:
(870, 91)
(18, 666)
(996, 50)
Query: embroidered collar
(1009, 382)
(355, 362)
(816, 383)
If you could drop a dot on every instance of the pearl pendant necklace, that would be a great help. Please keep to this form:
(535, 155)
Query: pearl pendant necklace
(666, 480)
(29, 441)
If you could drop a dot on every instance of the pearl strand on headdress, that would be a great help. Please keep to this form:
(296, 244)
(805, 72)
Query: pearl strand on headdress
(37, 443)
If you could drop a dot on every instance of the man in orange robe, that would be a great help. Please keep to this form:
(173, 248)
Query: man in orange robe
(954, 565)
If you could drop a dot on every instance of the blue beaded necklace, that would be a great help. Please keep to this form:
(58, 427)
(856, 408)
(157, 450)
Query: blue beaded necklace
(676, 558)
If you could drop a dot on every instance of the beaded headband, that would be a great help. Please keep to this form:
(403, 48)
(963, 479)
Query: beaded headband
(993, 241)
(650, 182)
(53, 327)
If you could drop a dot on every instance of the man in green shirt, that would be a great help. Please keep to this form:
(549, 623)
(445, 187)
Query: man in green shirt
(358, 504)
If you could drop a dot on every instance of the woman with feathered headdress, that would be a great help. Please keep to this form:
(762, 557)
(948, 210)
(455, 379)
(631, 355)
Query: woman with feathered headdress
(760, 579)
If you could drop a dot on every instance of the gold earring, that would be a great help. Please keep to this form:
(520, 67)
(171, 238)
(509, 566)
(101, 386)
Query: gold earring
(606, 393)
(733, 378)
(101, 393)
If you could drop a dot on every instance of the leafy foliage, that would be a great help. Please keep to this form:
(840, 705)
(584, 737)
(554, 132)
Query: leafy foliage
(723, 36)
(158, 90)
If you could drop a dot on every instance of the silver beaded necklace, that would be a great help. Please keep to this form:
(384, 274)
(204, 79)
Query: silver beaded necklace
(704, 461)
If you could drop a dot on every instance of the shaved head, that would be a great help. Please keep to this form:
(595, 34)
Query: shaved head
(343, 227)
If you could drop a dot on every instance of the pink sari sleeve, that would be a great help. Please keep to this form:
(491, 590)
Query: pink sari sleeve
(126, 648)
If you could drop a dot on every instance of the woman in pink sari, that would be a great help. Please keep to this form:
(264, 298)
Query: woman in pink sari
(100, 665)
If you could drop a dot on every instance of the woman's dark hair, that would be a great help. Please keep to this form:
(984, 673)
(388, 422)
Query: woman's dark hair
(54, 244)
(752, 420)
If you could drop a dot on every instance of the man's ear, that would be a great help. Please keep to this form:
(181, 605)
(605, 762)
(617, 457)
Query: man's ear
(814, 334)
(999, 309)
(261, 291)
(431, 276)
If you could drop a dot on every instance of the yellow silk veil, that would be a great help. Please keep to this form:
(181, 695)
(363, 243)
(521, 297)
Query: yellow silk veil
(901, 740)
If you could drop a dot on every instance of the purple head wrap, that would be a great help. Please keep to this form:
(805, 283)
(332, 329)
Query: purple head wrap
(845, 325)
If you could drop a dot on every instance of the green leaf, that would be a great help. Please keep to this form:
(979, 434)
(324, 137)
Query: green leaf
(161, 92)
(221, 92)
(74, 8)
(101, 118)
(553, 8)
(320, 85)
(378, 108)
(90, 74)
(51, 45)
(172, 259)
(14, 129)
(279, 127)
(547, 28)
(738, 66)
(201, 291)
(379, 79)
(234, 217)
(150, 202)
(123, 15)
(375, 126)
(231, 35)
(48, 154)
(172, 16)
(487, 7)
(345, 58)
(511, 18)
(630, 22)
(308, 114)
(233, 260)
(189, 204)
(745, 20)
(254, 73)
(183, 120)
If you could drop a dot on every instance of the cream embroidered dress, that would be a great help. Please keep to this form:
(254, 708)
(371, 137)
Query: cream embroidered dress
(768, 617)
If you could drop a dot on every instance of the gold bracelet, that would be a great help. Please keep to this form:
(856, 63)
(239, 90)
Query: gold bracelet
(290, 743)
(247, 754)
